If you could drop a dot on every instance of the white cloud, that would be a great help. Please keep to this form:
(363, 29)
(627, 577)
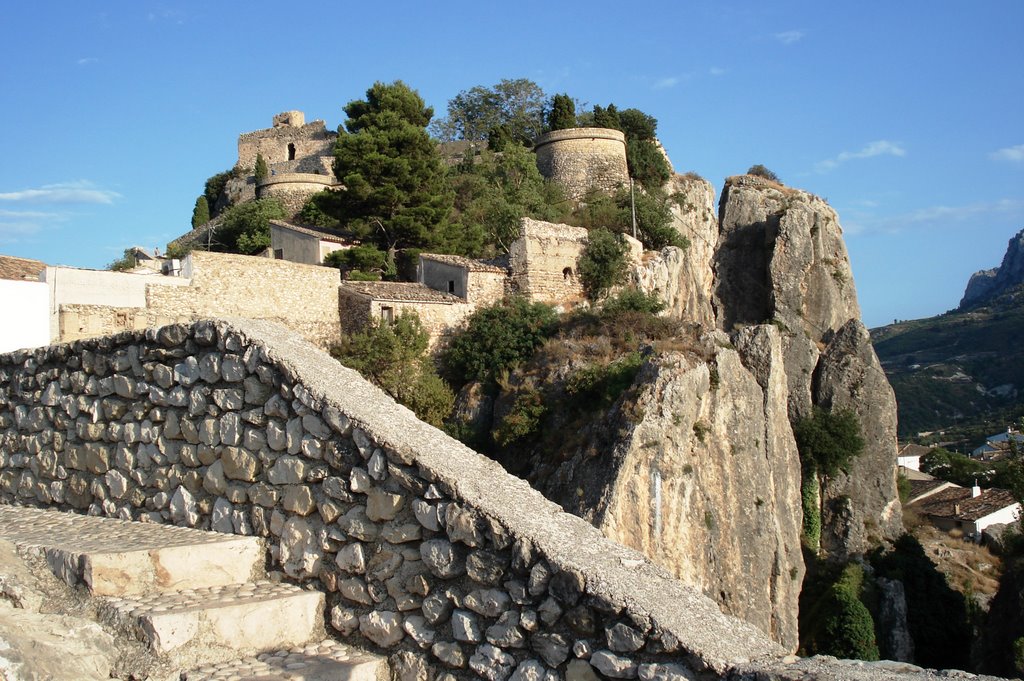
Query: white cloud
(716, 71)
(876, 148)
(86, 60)
(666, 83)
(1012, 154)
(934, 217)
(66, 192)
(17, 224)
(789, 37)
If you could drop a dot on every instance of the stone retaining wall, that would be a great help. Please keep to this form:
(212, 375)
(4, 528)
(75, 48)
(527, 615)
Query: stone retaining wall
(426, 549)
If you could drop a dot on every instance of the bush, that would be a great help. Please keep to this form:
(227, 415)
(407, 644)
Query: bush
(760, 171)
(602, 264)
(809, 494)
(124, 263)
(201, 212)
(315, 211)
(394, 356)
(245, 228)
(365, 258)
(599, 385)
(523, 420)
(498, 338)
(632, 300)
(653, 217)
(828, 441)
(260, 171)
(847, 629)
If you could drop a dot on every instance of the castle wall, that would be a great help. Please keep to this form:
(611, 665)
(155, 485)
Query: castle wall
(426, 550)
(311, 140)
(581, 159)
(544, 260)
(292, 189)
(300, 297)
(485, 288)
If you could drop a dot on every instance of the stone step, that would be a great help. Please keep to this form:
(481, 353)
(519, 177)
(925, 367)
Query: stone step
(247, 618)
(324, 661)
(123, 558)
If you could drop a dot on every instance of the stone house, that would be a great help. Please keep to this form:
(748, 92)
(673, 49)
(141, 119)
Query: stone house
(363, 302)
(544, 263)
(477, 282)
(968, 510)
(307, 245)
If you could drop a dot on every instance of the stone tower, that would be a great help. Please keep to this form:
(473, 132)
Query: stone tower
(581, 159)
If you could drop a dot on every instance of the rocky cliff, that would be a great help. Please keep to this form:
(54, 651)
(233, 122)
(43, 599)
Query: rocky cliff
(988, 284)
(702, 475)
(781, 259)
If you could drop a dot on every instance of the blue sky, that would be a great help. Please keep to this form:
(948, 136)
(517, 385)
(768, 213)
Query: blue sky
(906, 116)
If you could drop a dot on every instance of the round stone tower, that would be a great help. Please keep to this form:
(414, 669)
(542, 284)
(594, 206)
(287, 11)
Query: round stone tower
(581, 159)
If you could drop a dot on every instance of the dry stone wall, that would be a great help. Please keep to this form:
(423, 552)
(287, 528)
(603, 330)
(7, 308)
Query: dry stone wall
(426, 549)
(293, 189)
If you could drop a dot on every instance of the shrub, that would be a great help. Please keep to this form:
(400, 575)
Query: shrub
(365, 258)
(394, 356)
(498, 338)
(201, 212)
(760, 171)
(599, 385)
(632, 300)
(847, 629)
(809, 495)
(260, 171)
(602, 263)
(124, 263)
(829, 440)
(245, 228)
(316, 210)
(653, 217)
(523, 419)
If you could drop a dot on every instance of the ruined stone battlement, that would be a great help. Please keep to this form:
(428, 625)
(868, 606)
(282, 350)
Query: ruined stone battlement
(290, 140)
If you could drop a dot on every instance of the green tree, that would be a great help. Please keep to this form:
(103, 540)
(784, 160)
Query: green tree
(827, 442)
(245, 228)
(760, 171)
(214, 187)
(124, 263)
(492, 197)
(607, 117)
(260, 171)
(201, 212)
(511, 111)
(395, 190)
(647, 164)
(498, 338)
(603, 262)
(365, 258)
(563, 113)
(394, 356)
(653, 217)
(844, 627)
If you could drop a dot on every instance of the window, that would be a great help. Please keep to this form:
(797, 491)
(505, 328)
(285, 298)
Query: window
(291, 151)
(451, 286)
(278, 254)
(387, 314)
(567, 274)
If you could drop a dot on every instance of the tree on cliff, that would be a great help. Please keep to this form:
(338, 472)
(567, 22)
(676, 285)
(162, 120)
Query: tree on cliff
(512, 110)
(395, 191)
(647, 165)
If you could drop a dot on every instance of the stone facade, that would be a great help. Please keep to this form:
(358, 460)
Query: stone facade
(363, 302)
(543, 263)
(581, 159)
(304, 298)
(292, 145)
(425, 549)
(293, 189)
(476, 282)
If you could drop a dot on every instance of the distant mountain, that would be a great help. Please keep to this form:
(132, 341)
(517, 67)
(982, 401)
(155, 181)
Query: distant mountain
(988, 285)
(963, 369)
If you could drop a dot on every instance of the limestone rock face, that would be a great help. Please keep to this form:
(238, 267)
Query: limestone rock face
(781, 259)
(704, 478)
(685, 278)
(862, 506)
(989, 283)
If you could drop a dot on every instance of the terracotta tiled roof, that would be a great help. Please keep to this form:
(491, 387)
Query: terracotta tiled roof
(466, 263)
(22, 269)
(922, 488)
(400, 292)
(320, 233)
(958, 504)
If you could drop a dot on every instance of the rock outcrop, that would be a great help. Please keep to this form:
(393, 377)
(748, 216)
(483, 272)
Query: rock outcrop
(704, 478)
(988, 284)
(684, 278)
(781, 260)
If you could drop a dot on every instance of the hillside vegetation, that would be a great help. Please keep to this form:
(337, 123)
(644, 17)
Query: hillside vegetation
(962, 370)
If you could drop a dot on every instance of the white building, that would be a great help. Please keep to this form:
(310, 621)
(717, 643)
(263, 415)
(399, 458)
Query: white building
(25, 299)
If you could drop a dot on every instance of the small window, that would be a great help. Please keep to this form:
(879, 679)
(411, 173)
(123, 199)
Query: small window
(291, 151)
(567, 274)
(387, 314)
(278, 254)
(451, 286)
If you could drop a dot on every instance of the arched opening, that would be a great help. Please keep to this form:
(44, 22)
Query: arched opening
(567, 274)
(291, 151)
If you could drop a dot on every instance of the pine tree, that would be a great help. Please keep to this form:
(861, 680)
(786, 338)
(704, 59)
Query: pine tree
(395, 192)
(201, 213)
(563, 113)
(261, 171)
